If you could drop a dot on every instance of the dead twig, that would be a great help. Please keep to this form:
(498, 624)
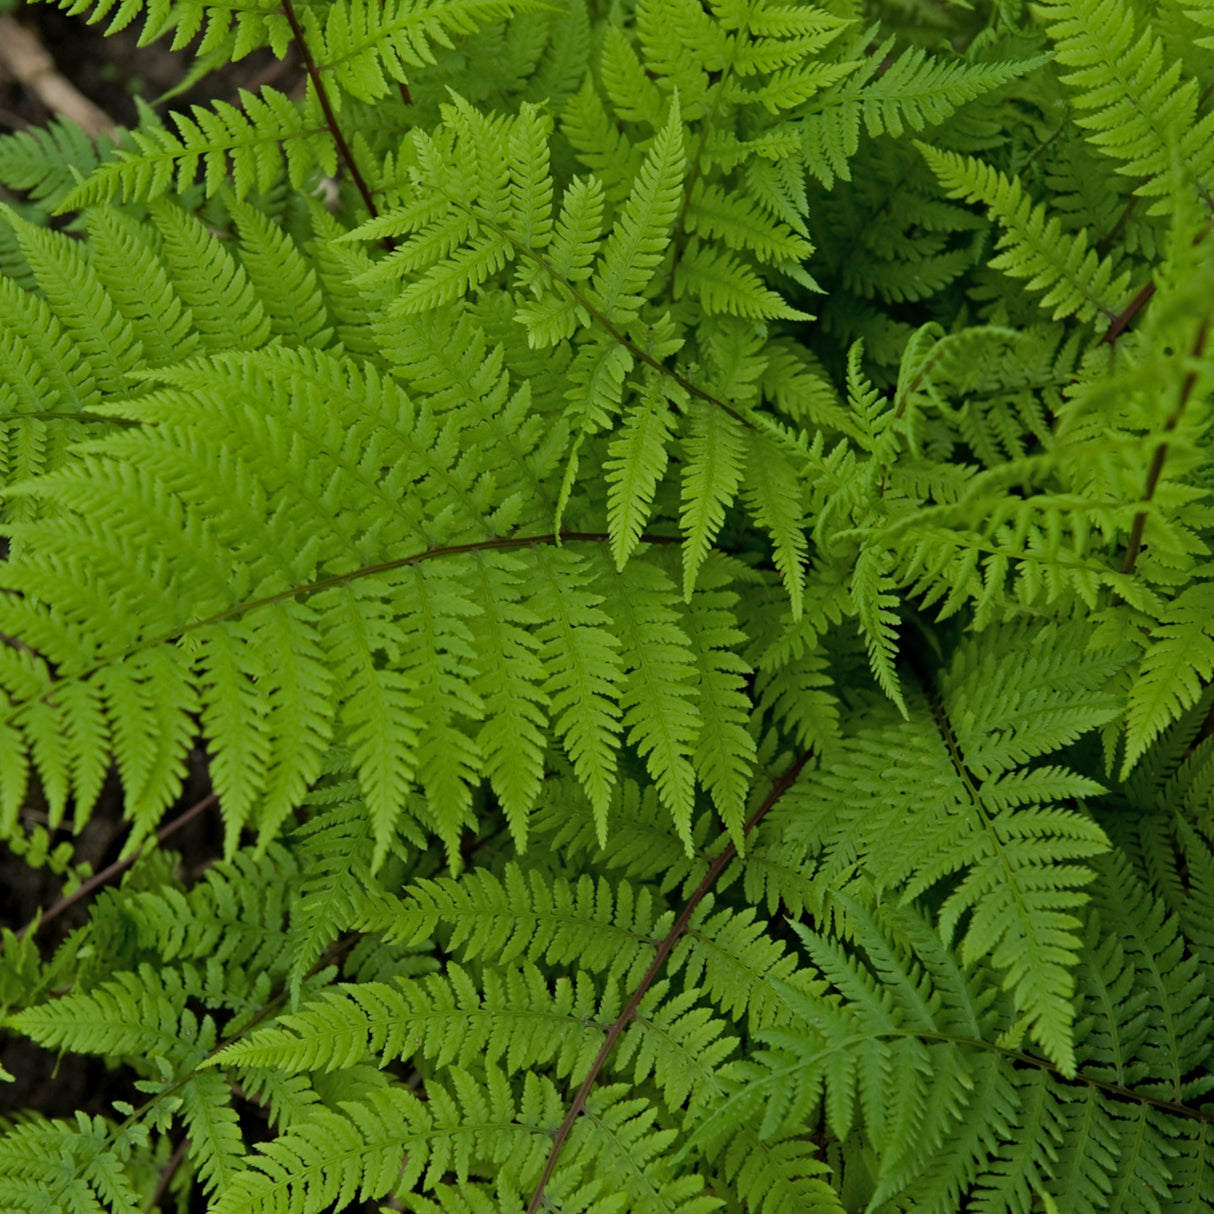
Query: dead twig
(118, 867)
(31, 64)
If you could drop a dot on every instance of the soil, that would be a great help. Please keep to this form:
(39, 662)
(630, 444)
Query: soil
(112, 71)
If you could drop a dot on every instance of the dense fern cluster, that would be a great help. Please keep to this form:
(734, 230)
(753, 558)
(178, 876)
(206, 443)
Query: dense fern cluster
(684, 532)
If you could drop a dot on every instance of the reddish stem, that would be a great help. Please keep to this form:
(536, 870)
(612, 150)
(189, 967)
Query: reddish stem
(778, 789)
(322, 95)
(115, 869)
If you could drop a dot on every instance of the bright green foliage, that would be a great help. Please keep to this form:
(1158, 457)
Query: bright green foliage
(681, 532)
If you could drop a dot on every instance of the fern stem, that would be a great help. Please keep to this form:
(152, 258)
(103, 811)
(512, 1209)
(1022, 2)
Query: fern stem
(117, 868)
(778, 789)
(322, 95)
(1119, 323)
(167, 1173)
(415, 558)
(1161, 451)
(1127, 314)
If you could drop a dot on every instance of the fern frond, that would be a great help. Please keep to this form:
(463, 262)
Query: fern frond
(584, 665)
(215, 1137)
(1076, 279)
(1008, 851)
(872, 597)
(1172, 671)
(81, 303)
(604, 929)
(511, 688)
(659, 695)
(210, 282)
(913, 91)
(76, 1166)
(246, 145)
(283, 280)
(725, 751)
(636, 464)
(723, 284)
(571, 256)
(328, 1156)
(136, 281)
(637, 243)
(742, 225)
(45, 161)
(369, 46)
(138, 1013)
(773, 492)
(335, 886)
(1141, 112)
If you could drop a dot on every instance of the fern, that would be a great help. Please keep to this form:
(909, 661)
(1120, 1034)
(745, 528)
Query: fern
(676, 537)
(1079, 282)
(1142, 113)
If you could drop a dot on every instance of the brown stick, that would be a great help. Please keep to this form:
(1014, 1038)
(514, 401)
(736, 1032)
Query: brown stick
(778, 789)
(117, 868)
(1134, 544)
(32, 66)
(166, 1174)
(322, 96)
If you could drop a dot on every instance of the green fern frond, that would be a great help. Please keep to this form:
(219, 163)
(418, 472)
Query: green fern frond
(638, 459)
(81, 304)
(725, 751)
(637, 243)
(252, 22)
(1076, 279)
(716, 449)
(72, 1165)
(437, 458)
(1172, 671)
(914, 90)
(873, 600)
(285, 284)
(369, 47)
(741, 225)
(511, 687)
(214, 1129)
(138, 1013)
(773, 493)
(605, 930)
(1142, 113)
(329, 1156)
(584, 669)
(210, 282)
(248, 144)
(45, 161)
(723, 284)
(136, 281)
(659, 695)
(336, 885)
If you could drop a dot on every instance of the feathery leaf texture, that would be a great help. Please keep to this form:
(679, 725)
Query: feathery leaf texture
(701, 650)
